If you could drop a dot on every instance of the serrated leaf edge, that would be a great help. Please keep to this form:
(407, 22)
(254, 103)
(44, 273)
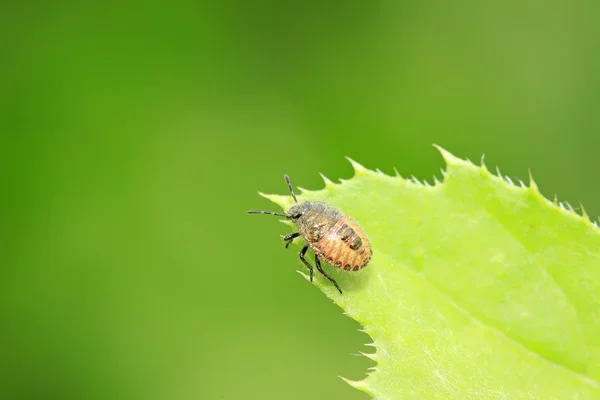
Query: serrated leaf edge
(451, 161)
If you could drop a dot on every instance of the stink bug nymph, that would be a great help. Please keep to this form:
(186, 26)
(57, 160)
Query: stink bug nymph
(334, 237)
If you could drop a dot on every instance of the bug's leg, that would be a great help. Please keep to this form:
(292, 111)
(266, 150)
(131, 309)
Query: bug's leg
(310, 268)
(290, 238)
(325, 275)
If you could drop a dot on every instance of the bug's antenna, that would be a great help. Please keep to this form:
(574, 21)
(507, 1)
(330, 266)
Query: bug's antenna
(287, 179)
(267, 213)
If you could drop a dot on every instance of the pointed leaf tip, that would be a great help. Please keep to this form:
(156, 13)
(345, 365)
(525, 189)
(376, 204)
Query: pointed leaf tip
(448, 157)
(372, 356)
(327, 181)
(482, 162)
(584, 213)
(284, 202)
(532, 183)
(356, 384)
(304, 275)
(397, 174)
(358, 168)
(275, 198)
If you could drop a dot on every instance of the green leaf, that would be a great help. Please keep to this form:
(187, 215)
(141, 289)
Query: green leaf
(477, 288)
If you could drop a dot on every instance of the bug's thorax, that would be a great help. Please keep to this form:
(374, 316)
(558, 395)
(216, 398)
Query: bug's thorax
(315, 220)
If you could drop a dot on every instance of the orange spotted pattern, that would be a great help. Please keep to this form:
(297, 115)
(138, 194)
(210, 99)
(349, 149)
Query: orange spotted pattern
(345, 246)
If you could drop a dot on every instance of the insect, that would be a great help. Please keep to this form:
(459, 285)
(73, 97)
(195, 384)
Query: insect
(334, 237)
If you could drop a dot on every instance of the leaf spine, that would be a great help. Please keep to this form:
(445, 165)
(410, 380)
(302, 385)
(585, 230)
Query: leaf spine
(482, 162)
(532, 183)
(583, 213)
(358, 169)
(284, 201)
(327, 181)
(372, 356)
(447, 156)
(356, 384)
(302, 190)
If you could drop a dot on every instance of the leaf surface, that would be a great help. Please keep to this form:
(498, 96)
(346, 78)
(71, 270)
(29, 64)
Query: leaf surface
(477, 288)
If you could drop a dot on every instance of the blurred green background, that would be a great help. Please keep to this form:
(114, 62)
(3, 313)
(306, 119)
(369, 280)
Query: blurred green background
(136, 135)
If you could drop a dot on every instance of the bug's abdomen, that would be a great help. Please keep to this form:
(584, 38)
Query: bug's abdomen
(345, 246)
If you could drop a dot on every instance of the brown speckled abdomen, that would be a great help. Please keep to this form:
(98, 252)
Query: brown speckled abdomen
(345, 246)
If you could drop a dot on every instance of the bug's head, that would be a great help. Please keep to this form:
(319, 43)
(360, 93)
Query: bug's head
(295, 212)
(298, 210)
